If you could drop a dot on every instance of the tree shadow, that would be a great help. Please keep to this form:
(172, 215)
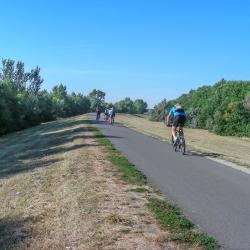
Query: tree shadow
(41, 146)
(96, 136)
(17, 166)
(13, 232)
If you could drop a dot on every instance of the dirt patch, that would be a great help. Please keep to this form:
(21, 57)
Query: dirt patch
(233, 149)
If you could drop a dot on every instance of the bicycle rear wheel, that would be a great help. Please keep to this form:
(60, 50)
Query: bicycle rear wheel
(183, 146)
(173, 144)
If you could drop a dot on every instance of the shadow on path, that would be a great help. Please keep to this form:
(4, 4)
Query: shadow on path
(204, 154)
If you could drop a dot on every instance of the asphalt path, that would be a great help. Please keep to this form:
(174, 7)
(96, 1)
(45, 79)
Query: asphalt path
(213, 196)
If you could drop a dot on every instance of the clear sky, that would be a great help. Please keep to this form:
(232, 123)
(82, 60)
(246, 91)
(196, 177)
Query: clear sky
(148, 49)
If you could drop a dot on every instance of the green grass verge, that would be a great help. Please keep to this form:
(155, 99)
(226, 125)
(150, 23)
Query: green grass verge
(129, 172)
(139, 190)
(181, 229)
(169, 216)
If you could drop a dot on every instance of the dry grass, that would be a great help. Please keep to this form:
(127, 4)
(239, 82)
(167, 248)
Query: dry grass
(59, 191)
(229, 148)
(48, 200)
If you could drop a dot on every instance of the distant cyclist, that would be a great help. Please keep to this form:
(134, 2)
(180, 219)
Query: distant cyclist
(178, 115)
(106, 114)
(98, 113)
(112, 115)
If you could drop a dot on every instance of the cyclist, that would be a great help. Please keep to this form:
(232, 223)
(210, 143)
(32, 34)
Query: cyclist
(98, 113)
(106, 114)
(178, 115)
(112, 115)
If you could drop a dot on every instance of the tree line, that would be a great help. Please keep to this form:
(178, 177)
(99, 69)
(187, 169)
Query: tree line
(223, 108)
(23, 104)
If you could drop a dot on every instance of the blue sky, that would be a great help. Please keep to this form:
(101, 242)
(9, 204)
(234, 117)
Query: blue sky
(148, 49)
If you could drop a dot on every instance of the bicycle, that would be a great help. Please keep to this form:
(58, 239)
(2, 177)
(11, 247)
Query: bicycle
(98, 115)
(106, 117)
(112, 120)
(180, 142)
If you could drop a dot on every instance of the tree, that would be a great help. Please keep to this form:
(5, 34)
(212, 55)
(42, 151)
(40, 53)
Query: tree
(8, 70)
(97, 99)
(140, 106)
(59, 97)
(125, 106)
(22, 104)
(35, 81)
(20, 77)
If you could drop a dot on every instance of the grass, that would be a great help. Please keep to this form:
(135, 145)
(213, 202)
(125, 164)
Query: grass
(169, 216)
(129, 172)
(181, 229)
(48, 197)
(139, 190)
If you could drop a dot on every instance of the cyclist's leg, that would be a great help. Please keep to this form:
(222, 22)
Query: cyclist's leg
(181, 129)
(182, 122)
(174, 132)
(174, 126)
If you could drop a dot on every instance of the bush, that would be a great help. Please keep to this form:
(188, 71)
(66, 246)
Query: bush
(223, 108)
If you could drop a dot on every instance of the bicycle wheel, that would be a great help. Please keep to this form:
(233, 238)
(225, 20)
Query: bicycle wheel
(172, 143)
(183, 146)
(176, 145)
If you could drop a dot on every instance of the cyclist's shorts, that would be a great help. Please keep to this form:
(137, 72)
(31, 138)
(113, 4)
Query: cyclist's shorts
(179, 120)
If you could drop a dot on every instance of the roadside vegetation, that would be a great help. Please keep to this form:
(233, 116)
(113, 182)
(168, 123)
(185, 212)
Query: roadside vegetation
(23, 104)
(223, 108)
(168, 215)
(126, 106)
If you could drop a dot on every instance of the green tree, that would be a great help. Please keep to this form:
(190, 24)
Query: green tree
(97, 99)
(140, 106)
(22, 104)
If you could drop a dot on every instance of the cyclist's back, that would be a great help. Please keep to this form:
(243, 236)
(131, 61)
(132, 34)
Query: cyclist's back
(112, 112)
(177, 110)
(178, 114)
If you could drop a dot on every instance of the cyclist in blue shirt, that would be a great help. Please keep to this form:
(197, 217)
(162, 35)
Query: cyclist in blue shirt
(178, 115)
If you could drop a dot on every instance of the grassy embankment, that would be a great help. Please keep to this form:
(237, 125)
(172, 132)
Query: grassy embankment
(233, 149)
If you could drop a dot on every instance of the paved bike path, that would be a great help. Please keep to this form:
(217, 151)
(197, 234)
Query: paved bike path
(213, 196)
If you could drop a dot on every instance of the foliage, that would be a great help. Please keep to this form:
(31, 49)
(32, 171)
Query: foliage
(223, 108)
(131, 107)
(23, 104)
(97, 99)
